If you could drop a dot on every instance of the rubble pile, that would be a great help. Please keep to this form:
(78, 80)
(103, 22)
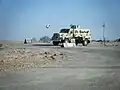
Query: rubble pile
(21, 58)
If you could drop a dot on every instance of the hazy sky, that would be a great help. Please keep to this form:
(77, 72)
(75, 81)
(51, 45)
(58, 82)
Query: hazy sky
(21, 19)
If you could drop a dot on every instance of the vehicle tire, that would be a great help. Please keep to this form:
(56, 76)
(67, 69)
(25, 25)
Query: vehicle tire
(88, 41)
(85, 42)
(76, 42)
(55, 43)
(62, 41)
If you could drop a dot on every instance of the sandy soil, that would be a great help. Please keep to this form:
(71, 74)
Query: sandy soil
(47, 67)
(15, 56)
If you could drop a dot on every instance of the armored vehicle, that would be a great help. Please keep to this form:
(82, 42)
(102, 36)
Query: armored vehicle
(74, 32)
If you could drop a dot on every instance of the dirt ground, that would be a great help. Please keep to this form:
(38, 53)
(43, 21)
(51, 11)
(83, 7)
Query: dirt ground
(15, 56)
(41, 66)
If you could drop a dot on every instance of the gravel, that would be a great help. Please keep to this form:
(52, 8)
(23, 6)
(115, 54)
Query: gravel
(16, 59)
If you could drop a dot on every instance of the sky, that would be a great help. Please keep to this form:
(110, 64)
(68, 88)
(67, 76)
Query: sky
(20, 19)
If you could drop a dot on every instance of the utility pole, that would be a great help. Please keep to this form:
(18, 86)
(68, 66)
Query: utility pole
(103, 33)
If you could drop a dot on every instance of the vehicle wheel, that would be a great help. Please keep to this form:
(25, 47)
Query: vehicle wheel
(85, 43)
(76, 42)
(88, 41)
(55, 43)
(62, 41)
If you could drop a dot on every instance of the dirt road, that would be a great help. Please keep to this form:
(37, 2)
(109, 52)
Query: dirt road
(94, 67)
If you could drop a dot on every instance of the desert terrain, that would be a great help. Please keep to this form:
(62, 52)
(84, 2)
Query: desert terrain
(42, 66)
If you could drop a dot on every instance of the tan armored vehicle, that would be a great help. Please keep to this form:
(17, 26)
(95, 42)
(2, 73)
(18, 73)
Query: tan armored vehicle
(74, 32)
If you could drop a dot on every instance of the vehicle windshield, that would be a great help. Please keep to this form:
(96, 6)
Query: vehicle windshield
(64, 30)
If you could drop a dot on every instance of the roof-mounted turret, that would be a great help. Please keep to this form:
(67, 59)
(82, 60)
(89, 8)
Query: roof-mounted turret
(74, 26)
